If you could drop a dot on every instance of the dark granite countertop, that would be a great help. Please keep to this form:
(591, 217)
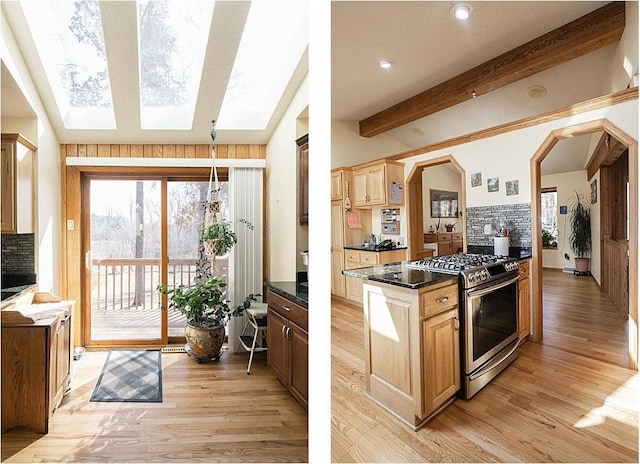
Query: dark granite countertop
(376, 249)
(8, 294)
(400, 274)
(298, 293)
(514, 251)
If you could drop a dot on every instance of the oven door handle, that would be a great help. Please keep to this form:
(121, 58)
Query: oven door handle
(494, 363)
(492, 287)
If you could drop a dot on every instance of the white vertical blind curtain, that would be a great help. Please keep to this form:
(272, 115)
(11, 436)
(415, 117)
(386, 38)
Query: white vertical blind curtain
(245, 202)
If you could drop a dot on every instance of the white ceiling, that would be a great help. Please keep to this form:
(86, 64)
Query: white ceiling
(429, 46)
(120, 34)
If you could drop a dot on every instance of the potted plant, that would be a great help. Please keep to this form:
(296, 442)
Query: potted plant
(219, 237)
(205, 307)
(580, 235)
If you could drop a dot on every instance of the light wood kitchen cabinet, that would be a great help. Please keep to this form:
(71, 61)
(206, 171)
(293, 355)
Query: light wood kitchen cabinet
(336, 185)
(412, 353)
(36, 369)
(17, 201)
(357, 258)
(338, 283)
(372, 184)
(449, 243)
(288, 342)
(524, 302)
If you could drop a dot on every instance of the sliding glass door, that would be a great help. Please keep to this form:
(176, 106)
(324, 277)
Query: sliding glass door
(133, 226)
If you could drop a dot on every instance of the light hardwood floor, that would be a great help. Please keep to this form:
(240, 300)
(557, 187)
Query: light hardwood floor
(211, 412)
(555, 403)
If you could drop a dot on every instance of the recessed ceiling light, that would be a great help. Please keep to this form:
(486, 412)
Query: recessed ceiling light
(461, 10)
(417, 131)
(385, 63)
(536, 91)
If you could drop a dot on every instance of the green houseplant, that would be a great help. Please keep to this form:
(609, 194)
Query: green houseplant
(580, 234)
(219, 237)
(207, 312)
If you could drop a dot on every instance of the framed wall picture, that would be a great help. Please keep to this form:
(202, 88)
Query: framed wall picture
(443, 203)
(476, 179)
(594, 191)
(493, 184)
(512, 187)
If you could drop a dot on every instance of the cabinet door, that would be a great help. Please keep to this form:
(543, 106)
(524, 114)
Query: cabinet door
(354, 289)
(524, 308)
(360, 194)
(298, 368)
(337, 225)
(336, 186)
(278, 352)
(338, 284)
(8, 188)
(445, 248)
(441, 358)
(376, 187)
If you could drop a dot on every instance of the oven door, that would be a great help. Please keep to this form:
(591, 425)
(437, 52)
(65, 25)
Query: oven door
(491, 321)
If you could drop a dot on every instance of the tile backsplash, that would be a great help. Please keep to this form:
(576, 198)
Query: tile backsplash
(18, 253)
(516, 218)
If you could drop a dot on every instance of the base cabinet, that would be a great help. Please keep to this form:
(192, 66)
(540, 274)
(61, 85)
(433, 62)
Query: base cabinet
(36, 371)
(412, 353)
(288, 342)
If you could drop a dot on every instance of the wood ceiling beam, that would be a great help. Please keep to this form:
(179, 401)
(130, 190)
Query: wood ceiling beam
(595, 30)
(606, 153)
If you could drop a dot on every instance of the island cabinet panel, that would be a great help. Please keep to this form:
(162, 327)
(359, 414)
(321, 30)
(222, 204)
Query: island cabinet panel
(412, 360)
(524, 301)
(278, 353)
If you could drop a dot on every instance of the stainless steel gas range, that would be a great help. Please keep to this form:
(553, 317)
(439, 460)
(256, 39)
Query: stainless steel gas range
(489, 311)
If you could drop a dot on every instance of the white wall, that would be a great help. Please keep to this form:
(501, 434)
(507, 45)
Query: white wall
(40, 132)
(624, 61)
(438, 178)
(566, 184)
(348, 148)
(281, 197)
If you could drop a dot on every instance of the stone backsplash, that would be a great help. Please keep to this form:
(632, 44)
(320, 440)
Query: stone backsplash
(18, 253)
(516, 218)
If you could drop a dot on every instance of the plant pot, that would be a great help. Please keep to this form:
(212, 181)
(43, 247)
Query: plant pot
(205, 343)
(449, 228)
(582, 264)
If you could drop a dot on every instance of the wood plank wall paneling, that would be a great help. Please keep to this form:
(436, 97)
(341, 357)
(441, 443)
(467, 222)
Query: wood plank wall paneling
(71, 178)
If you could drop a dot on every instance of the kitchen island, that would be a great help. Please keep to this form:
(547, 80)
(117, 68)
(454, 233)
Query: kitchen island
(412, 350)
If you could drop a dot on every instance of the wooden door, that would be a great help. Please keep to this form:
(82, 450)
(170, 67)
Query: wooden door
(337, 251)
(278, 352)
(441, 369)
(298, 367)
(524, 308)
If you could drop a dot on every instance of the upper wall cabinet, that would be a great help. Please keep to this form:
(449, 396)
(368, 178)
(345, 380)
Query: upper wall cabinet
(303, 187)
(17, 206)
(378, 184)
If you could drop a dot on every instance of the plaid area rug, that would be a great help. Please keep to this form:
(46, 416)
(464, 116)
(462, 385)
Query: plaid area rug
(130, 375)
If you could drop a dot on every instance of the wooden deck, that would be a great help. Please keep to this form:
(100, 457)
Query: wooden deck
(566, 400)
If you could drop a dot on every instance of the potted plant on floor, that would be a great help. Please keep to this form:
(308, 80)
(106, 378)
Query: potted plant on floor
(207, 312)
(580, 234)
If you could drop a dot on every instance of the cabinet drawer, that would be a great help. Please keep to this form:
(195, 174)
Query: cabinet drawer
(524, 269)
(430, 238)
(288, 309)
(352, 255)
(444, 237)
(435, 301)
(457, 236)
(368, 258)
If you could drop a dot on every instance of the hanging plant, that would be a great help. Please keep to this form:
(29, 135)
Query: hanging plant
(219, 237)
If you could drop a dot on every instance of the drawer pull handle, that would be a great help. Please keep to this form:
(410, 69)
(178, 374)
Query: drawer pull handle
(288, 333)
(444, 299)
(286, 308)
(457, 323)
(283, 329)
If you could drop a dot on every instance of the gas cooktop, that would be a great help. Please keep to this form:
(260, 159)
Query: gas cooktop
(474, 269)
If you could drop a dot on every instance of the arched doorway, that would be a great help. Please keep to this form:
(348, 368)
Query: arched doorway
(415, 215)
(536, 160)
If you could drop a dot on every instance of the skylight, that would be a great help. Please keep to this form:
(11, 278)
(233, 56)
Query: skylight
(274, 39)
(172, 40)
(69, 40)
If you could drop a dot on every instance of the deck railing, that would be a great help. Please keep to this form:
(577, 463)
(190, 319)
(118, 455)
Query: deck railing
(125, 284)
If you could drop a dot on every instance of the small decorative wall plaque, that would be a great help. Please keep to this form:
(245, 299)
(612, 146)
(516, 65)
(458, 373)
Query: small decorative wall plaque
(563, 210)
(594, 191)
(493, 184)
(512, 187)
(476, 179)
